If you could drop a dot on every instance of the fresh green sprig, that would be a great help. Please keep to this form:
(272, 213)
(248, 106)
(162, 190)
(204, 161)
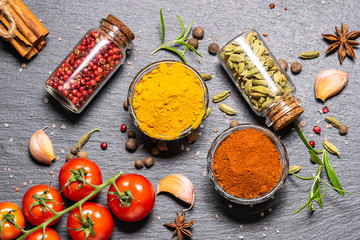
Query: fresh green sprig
(180, 40)
(315, 190)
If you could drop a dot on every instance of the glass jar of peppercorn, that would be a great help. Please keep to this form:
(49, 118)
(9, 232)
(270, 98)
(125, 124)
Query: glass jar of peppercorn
(90, 64)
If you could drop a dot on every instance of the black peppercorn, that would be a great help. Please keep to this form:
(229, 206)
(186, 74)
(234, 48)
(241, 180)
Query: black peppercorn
(213, 48)
(149, 161)
(131, 144)
(74, 150)
(139, 163)
(343, 129)
(193, 42)
(198, 32)
(296, 67)
(283, 64)
(131, 134)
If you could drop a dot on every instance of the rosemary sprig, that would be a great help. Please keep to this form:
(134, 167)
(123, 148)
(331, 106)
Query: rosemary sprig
(315, 190)
(180, 40)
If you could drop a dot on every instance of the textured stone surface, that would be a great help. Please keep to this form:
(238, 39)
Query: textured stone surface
(298, 29)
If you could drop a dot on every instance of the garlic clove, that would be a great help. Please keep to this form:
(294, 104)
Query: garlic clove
(41, 147)
(329, 82)
(178, 185)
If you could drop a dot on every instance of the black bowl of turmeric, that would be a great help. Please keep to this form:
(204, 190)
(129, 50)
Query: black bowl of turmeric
(168, 100)
(247, 164)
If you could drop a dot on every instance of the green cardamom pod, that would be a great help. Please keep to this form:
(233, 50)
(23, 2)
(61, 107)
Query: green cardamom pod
(220, 96)
(294, 169)
(333, 121)
(85, 138)
(331, 148)
(206, 76)
(263, 90)
(309, 55)
(208, 111)
(236, 58)
(227, 109)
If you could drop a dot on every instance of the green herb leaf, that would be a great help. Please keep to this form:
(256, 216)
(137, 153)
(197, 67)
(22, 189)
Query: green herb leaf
(182, 27)
(332, 175)
(318, 193)
(301, 135)
(315, 157)
(188, 30)
(176, 51)
(162, 27)
(189, 46)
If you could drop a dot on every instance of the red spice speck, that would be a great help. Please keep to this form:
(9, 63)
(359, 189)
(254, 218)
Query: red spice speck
(317, 129)
(216, 216)
(285, 8)
(52, 172)
(103, 145)
(123, 128)
(271, 5)
(326, 109)
(16, 189)
(265, 34)
(312, 143)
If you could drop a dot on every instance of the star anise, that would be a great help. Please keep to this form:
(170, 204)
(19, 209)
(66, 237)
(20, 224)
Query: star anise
(180, 226)
(344, 41)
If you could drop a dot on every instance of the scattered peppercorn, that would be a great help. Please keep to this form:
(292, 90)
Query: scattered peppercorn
(312, 160)
(139, 163)
(155, 151)
(343, 129)
(82, 154)
(192, 137)
(198, 32)
(312, 143)
(193, 42)
(149, 161)
(234, 123)
(74, 150)
(131, 144)
(131, 134)
(69, 157)
(126, 105)
(285, 8)
(265, 34)
(296, 67)
(283, 64)
(161, 145)
(317, 129)
(153, 140)
(271, 5)
(213, 48)
(103, 145)
(326, 109)
(123, 128)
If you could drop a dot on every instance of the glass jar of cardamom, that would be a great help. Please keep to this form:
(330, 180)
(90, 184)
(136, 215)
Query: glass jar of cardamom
(261, 80)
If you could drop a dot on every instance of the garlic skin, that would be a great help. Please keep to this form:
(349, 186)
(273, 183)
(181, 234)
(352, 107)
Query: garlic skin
(329, 82)
(41, 147)
(178, 185)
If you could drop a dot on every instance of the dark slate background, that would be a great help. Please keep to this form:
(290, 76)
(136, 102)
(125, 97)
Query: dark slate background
(27, 107)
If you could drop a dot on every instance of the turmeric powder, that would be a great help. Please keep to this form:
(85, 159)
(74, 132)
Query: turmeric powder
(169, 100)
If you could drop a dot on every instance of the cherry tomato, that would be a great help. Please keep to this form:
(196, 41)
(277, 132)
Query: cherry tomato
(37, 214)
(141, 189)
(38, 234)
(77, 190)
(8, 230)
(100, 216)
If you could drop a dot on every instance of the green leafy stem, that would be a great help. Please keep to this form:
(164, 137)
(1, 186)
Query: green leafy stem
(180, 40)
(78, 204)
(315, 191)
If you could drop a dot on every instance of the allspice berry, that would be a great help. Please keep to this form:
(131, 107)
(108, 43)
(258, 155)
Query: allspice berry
(193, 42)
(283, 64)
(161, 145)
(198, 32)
(234, 123)
(82, 154)
(131, 144)
(149, 161)
(139, 163)
(343, 129)
(69, 157)
(131, 134)
(192, 137)
(125, 104)
(296, 67)
(155, 151)
(213, 48)
(74, 150)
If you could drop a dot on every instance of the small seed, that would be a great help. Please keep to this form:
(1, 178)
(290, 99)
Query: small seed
(74, 150)
(126, 105)
(198, 32)
(193, 42)
(192, 137)
(69, 157)
(149, 161)
(234, 123)
(155, 151)
(139, 163)
(271, 5)
(131, 134)
(343, 129)
(82, 154)
(213, 48)
(283, 64)
(296, 67)
(131, 144)
(161, 145)
(309, 55)
(206, 76)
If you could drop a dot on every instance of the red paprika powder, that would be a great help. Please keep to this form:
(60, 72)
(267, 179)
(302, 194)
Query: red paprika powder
(247, 164)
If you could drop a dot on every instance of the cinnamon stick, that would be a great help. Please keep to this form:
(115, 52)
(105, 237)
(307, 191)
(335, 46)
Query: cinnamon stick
(19, 45)
(32, 53)
(41, 45)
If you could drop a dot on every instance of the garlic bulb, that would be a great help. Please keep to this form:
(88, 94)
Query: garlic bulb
(41, 147)
(178, 185)
(329, 82)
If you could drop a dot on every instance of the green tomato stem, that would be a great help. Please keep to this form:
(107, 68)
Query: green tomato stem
(77, 204)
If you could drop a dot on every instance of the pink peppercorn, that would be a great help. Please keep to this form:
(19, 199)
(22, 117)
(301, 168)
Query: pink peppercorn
(317, 129)
(123, 128)
(312, 143)
(103, 145)
(326, 109)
